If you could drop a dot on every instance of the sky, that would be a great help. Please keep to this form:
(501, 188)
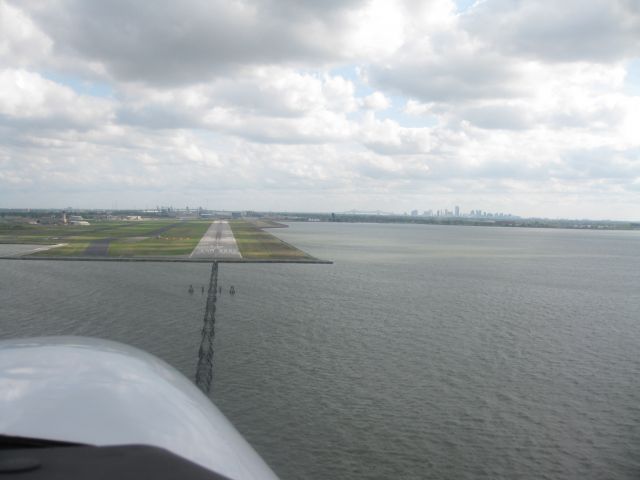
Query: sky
(524, 107)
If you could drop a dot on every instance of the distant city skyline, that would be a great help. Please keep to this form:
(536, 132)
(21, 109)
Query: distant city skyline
(531, 107)
(444, 213)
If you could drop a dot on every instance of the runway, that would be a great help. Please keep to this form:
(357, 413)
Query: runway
(217, 243)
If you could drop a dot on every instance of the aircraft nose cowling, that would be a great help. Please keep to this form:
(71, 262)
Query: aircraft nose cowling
(100, 392)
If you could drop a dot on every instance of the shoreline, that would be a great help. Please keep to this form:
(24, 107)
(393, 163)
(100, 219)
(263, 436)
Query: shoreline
(165, 260)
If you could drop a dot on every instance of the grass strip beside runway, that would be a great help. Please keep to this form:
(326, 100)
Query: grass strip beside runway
(178, 240)
(254, 243)
(70, 250)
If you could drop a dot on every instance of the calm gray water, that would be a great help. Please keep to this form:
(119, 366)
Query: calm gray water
(423, 352)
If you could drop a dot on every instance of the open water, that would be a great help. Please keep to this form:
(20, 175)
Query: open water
(423, 352)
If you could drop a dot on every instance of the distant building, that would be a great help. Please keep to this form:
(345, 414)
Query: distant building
(457, 211)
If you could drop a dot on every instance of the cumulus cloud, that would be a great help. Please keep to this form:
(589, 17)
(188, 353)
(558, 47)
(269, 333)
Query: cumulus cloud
(451, 76)
(21, 42)
(276, 105)
(571, 30)
(169, 43)
(29, 100)
(388, 137)
(506, 100)
(376, 101)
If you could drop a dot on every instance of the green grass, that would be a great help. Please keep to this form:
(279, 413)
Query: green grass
(71, 250)
(35, 234)
(129, 238)
(178, 240)
(266, 223)
(255, 243)
(141, 238)
(47, 234)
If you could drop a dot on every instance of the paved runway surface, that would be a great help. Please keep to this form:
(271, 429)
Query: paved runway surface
(217, 242)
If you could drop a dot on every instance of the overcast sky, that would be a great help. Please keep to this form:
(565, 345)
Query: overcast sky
(529, 107)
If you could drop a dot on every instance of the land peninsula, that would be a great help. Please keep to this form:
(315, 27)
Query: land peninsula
(153, 239)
